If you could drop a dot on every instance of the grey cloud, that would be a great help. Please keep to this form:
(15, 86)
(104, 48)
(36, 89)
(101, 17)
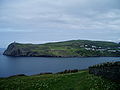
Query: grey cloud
(86, 16)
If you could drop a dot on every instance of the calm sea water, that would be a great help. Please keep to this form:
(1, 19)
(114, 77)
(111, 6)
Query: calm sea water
(35, 65)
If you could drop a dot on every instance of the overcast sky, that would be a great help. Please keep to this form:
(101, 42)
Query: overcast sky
(40, 21)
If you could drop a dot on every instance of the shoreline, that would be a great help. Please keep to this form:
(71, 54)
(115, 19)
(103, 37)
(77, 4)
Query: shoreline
(66, 71)
(61, 56)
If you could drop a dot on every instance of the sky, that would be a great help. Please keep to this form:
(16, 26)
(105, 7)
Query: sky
(41, 21)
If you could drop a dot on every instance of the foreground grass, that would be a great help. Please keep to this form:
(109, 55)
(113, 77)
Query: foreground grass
(72, 81)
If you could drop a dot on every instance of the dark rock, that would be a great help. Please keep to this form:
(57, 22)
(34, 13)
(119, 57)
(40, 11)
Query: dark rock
(12, 50)
(16, 49)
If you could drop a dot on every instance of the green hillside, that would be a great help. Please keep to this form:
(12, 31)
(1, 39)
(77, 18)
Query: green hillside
(73, 48)
(71, 81)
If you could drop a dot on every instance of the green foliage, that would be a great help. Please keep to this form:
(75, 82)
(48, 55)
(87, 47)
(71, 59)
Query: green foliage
(107, 64)
(72, 81)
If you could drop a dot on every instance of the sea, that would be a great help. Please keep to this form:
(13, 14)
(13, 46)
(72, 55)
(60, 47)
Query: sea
(10, 66)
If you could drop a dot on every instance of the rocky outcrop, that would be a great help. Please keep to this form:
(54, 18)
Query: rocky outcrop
(107, 70)
(14, 49)
(17, 49)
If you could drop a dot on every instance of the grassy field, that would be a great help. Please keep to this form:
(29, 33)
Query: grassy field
(81, 80)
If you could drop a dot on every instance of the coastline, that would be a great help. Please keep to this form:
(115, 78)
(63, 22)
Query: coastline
(45, 73)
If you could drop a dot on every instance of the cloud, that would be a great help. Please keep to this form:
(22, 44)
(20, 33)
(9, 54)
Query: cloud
(13, 30)
(69, 14)
(81, 16)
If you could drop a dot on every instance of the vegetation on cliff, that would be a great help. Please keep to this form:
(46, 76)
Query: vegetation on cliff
(81, 80)
(73, 48)
(109, 70)
(107, 64)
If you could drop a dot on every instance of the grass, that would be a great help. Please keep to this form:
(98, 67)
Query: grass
(81, 80)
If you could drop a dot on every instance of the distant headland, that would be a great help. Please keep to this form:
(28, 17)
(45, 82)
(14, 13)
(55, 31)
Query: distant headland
(72, 48)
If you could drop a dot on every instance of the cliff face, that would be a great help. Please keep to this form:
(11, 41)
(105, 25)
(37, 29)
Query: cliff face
(13, 50)
(74, 48)
(107, 70)
(16, 49)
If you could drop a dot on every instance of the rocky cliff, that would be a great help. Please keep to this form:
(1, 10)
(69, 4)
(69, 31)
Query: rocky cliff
(13, 50)
(16, 49)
